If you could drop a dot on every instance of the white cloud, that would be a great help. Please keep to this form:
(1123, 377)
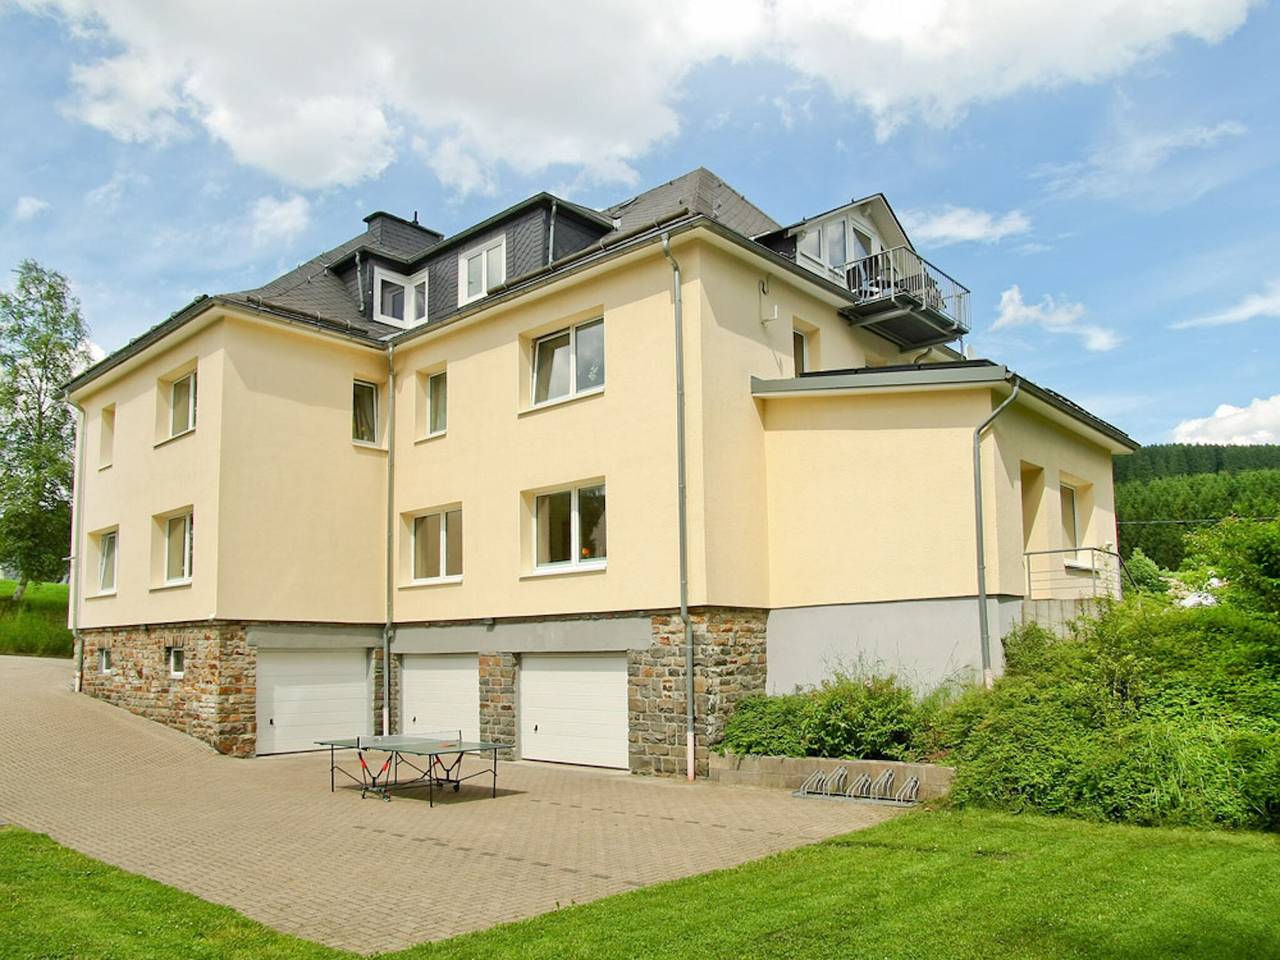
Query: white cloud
(589, 85)
(1159, 166)
(1253, 306)
(1053, 316)
(108, 196)
(1259, 422)
(962, 225)
(273, 221)
(28, 208)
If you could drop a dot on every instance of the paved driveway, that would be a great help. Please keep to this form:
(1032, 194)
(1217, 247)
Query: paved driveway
(267, 838)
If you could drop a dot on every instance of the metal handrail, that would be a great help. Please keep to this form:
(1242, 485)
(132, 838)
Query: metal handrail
(900, 270)
(1100, 577)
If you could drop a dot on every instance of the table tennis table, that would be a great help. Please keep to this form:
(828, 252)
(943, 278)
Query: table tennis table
(440, 756)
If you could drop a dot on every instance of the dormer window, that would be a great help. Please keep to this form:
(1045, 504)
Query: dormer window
(481, 269)
(399, 300)
(833, 244)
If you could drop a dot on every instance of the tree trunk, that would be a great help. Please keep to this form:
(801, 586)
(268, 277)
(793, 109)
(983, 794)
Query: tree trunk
(20, 590)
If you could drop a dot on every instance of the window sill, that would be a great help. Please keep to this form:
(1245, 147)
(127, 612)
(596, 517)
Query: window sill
(101, 595)
(172, 585)
(561, 401)
(103, 466)
(176, 436)
(568, 570)
(1079, 565)
(365, 445)
(438, 435)
(433, 582)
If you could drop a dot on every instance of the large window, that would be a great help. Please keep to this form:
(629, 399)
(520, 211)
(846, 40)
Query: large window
(481, 269)
(399, 300)
(569, 362)
(437, 545)
(182, 405)
(569, 528)
(437, 404)
(107, 562)
(178, 549)
(364, 412)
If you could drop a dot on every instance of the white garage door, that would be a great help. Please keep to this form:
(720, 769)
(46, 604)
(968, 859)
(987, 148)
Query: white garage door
(310, 695)
(573, 708)
(440, 692)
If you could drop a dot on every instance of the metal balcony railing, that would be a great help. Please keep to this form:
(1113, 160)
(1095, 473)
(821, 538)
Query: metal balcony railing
(900, 275)
(1077, 573)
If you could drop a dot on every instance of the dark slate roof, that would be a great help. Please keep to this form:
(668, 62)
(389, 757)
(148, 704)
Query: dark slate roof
(698, 191)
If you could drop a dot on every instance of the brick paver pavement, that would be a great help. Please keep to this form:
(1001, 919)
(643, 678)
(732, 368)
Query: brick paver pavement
(266, 837)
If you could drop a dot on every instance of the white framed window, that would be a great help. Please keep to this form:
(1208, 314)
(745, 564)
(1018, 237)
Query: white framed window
(399, 300)
(437, 546)
(176, 658)
(178, 548)
(834, 244)
(570, 529)
(182, 405)
(1070, 519)
(481, 269)
(104, 660)
(569, 362)
(107, 561)
(364, 412)
(800, 351)
(437, 404)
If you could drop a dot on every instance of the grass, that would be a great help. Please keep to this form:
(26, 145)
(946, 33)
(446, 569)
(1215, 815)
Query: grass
(937, 885)
(37, 626)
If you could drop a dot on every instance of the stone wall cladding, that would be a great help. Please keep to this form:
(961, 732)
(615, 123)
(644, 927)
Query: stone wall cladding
(215, 700)
(729, 664)
(498, 700)
(396, 663)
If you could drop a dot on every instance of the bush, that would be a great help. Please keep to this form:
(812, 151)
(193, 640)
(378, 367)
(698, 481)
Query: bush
(1145, 574)
(1247, 555)
(38, 625)
(1148, 715)
(851, 717)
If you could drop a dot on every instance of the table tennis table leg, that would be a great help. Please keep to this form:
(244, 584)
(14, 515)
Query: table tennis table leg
(495, 774)
(431, 781)
(331, 763)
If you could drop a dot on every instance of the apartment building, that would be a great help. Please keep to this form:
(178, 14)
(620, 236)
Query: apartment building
(540, 480)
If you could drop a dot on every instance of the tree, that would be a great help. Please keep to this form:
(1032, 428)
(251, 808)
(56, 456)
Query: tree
(43, 343)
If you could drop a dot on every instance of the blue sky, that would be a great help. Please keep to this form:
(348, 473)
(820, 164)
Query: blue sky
(1103, 176)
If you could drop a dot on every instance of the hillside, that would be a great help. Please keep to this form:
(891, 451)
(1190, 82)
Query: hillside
(1184, 459)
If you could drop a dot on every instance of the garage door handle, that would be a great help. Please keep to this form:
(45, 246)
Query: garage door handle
(271, 722)
(535, 728)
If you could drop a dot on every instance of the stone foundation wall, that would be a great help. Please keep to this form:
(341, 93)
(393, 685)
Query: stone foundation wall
(215, 699)
(376, 654)
(789, 773)
(729, 664)
(498, 700)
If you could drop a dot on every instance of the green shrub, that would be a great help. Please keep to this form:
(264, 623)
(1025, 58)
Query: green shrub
(849, 716)
(1145, 575)
(1246, 554)
(769, 726)
(1148, 715)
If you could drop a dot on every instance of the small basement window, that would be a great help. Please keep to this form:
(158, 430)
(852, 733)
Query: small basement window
(176, 657)
(104, 661)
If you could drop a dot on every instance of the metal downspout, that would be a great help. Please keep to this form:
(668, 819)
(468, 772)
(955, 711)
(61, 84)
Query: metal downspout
(360, 280)
(984, 625)
(389, 627)
(76, 589)
(682, 510)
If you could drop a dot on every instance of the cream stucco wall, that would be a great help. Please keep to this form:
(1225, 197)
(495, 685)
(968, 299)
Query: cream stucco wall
(498, 450)
(792, 501)
(149, 476)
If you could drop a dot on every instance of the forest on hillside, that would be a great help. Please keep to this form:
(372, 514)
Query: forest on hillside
(1164, 491)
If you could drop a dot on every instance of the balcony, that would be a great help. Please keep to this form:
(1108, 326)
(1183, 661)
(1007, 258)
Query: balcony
(905, 298)
(1079, 573)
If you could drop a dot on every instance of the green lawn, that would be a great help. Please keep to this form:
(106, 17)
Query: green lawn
(935, 885)
(38, 625)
